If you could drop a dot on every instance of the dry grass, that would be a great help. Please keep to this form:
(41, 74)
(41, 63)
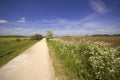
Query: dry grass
(114, 40)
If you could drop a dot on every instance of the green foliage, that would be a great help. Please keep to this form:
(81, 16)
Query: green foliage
(17, 39)
(36, 37)
(49, 34)
(89, 60)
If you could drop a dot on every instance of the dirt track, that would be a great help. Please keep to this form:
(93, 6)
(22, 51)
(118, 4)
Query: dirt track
(33, 64)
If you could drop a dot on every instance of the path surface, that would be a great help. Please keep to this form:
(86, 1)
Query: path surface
(33, 64)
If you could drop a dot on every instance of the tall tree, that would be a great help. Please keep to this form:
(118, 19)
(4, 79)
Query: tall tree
(49, 34)
(37, 37)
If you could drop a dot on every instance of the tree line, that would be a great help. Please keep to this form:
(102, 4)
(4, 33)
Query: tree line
(49, 35)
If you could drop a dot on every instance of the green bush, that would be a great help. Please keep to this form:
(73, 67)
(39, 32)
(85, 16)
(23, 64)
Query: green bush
(49, 34)
(89, 60)
(18, 40)
(36, 37)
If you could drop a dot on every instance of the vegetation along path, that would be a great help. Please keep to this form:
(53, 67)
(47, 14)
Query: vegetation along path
(33, 64)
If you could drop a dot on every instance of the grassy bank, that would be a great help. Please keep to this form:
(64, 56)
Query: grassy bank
(87, 60)
(59, 68)
(11, 47)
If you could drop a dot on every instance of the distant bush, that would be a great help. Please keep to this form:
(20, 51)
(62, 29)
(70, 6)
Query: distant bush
(18, 40)
(36, 37)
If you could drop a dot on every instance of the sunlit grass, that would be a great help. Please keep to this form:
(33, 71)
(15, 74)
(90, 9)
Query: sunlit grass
(88, 60)
(11, 47)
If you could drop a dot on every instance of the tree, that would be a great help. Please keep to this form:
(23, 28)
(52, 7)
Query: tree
(49, 34)
(36, 37)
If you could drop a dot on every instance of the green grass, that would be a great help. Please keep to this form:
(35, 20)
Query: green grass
(88, 60)
(60, 70)
(11, 47)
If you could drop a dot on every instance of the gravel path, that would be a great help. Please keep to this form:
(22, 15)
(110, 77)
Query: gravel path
(33, 64)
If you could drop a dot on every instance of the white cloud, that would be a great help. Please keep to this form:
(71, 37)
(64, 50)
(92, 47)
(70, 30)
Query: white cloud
(78, 32)
(20, 31)
(22, 20)
(85, 26)
(3, 21)
(98, 6)
(67, 24)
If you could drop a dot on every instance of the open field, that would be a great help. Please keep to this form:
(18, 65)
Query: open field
(114, 40)
(10, 47)
(13, 38)
(88, 59)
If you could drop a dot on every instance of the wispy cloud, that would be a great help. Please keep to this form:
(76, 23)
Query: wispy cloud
(85, 26)
(3, 21)
(64, 27)
(88, 25)
(20, 31)
(98, 6)
(22, 20)
(86, 31)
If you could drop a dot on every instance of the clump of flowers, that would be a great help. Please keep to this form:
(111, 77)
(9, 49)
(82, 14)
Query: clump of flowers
(89, 60)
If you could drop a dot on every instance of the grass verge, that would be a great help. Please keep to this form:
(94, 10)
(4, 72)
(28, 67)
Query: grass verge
(61, 72)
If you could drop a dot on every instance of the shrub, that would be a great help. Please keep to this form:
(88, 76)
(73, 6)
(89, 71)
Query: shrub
(18, 40)
(36, 37)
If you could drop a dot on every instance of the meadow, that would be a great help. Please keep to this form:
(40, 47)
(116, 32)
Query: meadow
(113, 40)
(10, 47)
(88, 57)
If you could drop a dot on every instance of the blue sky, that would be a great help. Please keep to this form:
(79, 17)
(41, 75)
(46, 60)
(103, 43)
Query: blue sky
(63, 17)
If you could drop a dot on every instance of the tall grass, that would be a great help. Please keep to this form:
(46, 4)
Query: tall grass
(89, 60)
